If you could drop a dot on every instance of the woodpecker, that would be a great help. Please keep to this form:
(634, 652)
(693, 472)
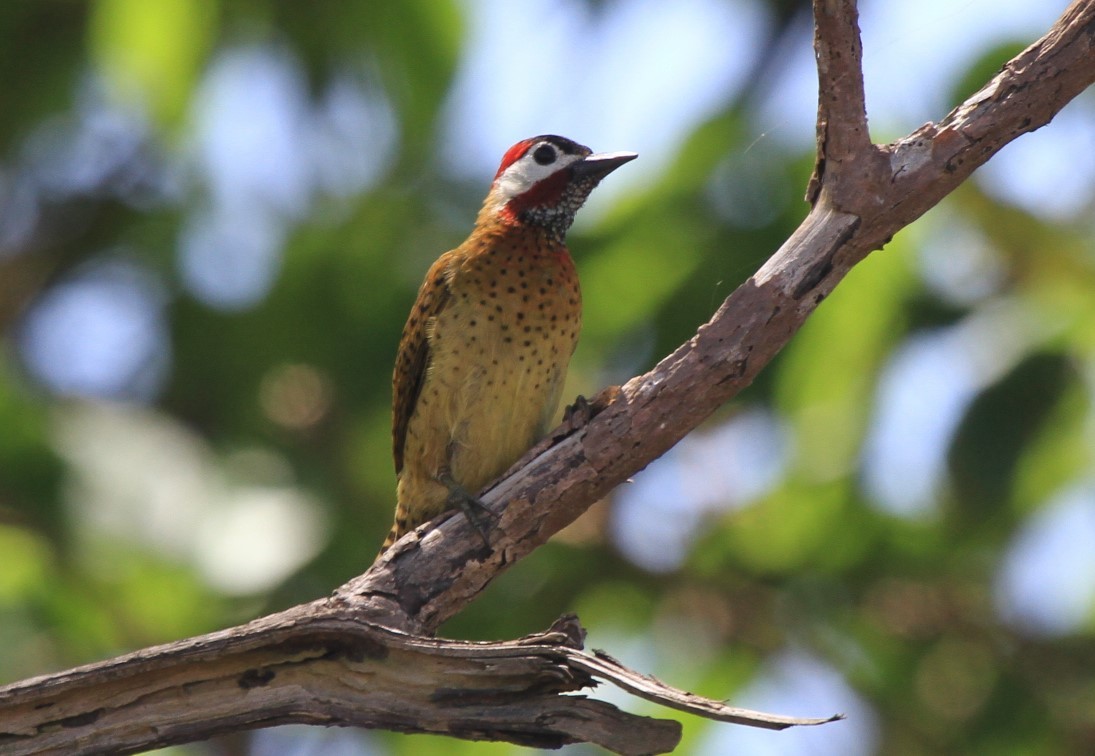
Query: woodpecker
(485, 350)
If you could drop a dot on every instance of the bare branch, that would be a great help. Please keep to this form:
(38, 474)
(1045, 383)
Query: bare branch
(317, 666)
(842, 133)
(432, 574)
(1024, 96)
(605, 667)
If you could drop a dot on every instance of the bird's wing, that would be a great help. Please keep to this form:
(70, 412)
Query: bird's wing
(413, 359)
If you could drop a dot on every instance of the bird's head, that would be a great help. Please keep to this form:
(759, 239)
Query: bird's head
(543, 181)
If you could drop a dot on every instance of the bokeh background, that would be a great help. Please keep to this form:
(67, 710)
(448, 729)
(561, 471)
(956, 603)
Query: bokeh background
(214, 215)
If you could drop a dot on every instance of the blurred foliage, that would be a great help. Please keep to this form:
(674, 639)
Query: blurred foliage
(141, 512)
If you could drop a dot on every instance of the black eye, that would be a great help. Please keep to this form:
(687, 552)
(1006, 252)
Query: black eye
(544, 154)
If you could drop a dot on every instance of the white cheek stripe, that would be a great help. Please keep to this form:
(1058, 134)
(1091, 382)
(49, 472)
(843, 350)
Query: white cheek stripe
(526, 172)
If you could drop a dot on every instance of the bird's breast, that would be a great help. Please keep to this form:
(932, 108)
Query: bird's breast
(500, 352)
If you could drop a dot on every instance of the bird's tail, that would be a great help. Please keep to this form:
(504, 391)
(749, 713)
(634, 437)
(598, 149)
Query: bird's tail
(400, 527)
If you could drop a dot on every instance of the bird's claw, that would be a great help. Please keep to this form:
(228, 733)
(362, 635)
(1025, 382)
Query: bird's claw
(471, 505)
(579, 411)
(583, 410)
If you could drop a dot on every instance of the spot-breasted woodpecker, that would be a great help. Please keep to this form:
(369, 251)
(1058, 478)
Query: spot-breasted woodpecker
(485, 350)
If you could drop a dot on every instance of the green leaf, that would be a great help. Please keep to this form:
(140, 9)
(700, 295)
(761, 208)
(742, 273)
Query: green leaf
(826, 375)
(152, 51)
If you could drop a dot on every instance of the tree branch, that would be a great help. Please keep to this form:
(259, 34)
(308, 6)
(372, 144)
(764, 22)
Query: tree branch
(329, 662)
(433, 573)
(842, 134)
(316, 666)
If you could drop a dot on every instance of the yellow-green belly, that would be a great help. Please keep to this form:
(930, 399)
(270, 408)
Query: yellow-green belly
(499, 352)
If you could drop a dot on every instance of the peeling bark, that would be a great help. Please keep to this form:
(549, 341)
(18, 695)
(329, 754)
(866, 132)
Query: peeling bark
(316, 666)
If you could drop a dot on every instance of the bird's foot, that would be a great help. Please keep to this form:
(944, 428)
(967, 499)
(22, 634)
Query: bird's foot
(470, 504)
(577, 413)
(583, 410)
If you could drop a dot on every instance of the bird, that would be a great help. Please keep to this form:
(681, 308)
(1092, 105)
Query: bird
(484, 353)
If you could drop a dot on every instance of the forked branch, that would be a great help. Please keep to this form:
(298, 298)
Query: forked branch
(864, 195)
(316, 666)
